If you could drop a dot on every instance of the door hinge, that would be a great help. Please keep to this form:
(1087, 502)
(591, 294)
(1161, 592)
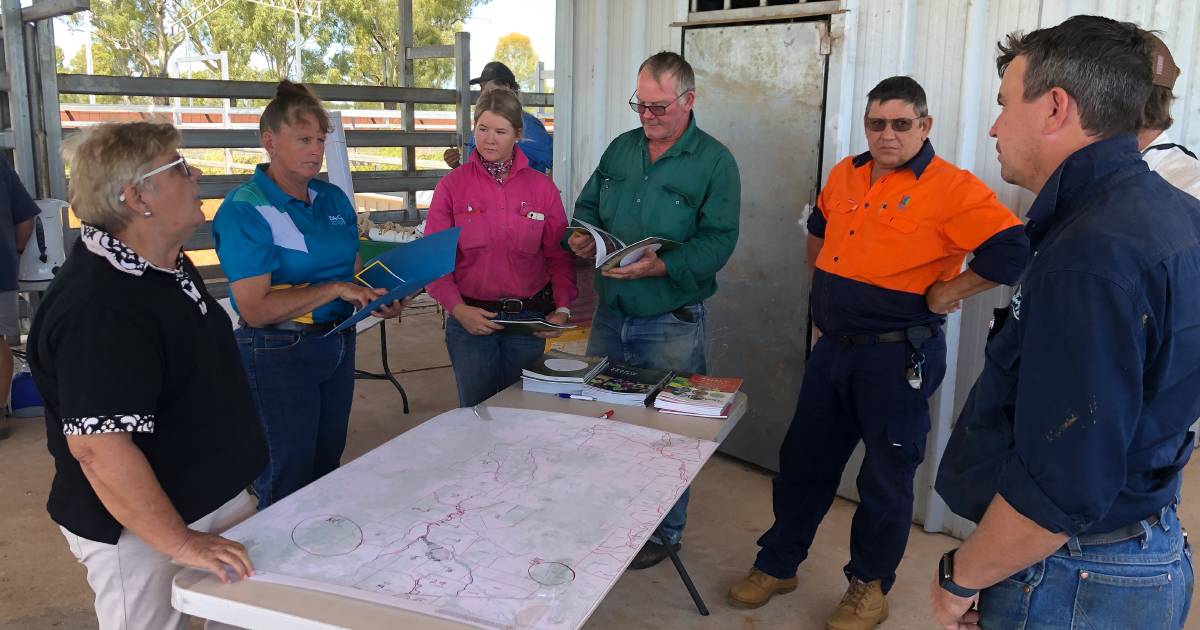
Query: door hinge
(826, 40)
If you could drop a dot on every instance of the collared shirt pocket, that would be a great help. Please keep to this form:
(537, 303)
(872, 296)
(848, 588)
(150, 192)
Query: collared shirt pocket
(526, 228)
(899, 220)
(682, 200)
(474, 221)
(838, 216)
(678, 216)
(611, 190)
(895, 244)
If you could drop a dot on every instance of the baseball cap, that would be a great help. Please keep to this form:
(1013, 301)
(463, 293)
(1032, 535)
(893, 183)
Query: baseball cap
(496, 71)
(1162, 64)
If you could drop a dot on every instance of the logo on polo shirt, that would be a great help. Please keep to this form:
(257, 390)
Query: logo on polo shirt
(337, 219)
(1016, 303)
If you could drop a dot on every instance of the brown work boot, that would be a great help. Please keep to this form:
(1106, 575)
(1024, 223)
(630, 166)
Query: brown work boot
(757, 588)
(863, 607)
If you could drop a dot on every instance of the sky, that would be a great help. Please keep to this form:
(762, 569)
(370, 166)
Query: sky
(492, 21)
(487, 24)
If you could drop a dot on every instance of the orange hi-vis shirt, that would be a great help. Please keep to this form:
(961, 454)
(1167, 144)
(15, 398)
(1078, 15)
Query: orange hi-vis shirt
(912, 228)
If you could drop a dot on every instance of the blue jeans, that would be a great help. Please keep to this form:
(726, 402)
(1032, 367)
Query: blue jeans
(485, 364)
(303, 386)
(662, 342)
(1144, 583)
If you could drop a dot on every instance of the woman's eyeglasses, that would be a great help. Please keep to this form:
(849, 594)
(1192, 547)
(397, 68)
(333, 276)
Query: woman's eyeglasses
(181, 165)
(899, 125)
(657, 110)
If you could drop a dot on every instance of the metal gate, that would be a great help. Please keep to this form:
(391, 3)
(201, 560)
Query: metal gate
(760, 90)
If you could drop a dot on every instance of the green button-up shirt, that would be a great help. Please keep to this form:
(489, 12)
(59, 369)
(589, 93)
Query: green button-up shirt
(691, 194)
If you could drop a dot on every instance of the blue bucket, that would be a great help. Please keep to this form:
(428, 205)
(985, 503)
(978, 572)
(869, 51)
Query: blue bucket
(26, 401)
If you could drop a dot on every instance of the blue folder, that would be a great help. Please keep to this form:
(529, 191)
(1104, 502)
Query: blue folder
(405, 270)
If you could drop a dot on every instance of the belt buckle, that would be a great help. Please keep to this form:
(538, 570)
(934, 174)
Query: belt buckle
(511, 305)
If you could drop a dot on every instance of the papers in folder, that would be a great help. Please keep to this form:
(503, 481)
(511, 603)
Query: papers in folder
(405, 269)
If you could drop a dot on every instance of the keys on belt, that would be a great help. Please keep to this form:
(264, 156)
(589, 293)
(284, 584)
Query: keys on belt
(915, 336)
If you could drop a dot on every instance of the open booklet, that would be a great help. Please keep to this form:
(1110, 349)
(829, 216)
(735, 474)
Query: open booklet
(537, 325)
(612, 252)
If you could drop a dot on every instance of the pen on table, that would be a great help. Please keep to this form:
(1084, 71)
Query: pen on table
(607, 415)
(576, 397)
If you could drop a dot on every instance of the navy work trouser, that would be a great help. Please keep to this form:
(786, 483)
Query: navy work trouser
(852, 393)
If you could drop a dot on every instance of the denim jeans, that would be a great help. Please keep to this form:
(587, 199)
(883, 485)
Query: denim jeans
(303, 386)
(662, 342)
(1144, 583)
(486, 364)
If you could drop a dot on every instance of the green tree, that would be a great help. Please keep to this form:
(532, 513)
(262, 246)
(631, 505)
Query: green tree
(106, 61)
(516, 51)
(243, 29)
(354, 41)
(140, 35)
(369, 42)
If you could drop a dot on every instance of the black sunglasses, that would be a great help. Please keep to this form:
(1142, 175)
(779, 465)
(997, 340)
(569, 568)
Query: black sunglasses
(899, 125)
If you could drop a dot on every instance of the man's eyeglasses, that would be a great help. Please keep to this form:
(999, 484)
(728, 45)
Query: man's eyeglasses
(657, 110)
(899, 125)
(181, 165)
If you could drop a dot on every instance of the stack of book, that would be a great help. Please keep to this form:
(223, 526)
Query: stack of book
(698, 395)
(623, 385)
(560, 373)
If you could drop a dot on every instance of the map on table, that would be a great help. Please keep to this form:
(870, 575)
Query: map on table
(503, 519)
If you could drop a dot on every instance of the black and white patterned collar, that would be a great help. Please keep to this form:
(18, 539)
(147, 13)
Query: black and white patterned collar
(125, 260)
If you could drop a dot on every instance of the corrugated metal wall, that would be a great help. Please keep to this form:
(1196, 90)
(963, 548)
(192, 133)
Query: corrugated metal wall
(608, 40)
(949, 46)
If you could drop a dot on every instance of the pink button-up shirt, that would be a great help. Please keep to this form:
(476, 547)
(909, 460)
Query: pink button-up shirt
(510, 245)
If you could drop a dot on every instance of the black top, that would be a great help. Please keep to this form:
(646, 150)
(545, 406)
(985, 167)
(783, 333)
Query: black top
(120, 345)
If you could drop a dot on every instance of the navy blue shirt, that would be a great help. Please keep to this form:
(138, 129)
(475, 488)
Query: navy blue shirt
(16, 206)
(1080, 417)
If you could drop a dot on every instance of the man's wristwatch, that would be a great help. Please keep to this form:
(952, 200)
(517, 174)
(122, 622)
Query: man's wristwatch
(564, 310)
(946, 577)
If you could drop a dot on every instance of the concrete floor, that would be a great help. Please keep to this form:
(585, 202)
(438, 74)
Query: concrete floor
(41, 585)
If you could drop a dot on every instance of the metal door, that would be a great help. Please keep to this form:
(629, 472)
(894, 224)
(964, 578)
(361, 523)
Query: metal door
(760, 91)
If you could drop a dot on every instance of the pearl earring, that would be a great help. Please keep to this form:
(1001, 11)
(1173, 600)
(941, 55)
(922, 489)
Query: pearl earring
(146, 213)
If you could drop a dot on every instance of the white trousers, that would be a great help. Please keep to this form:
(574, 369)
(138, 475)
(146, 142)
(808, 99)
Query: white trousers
(132, 581)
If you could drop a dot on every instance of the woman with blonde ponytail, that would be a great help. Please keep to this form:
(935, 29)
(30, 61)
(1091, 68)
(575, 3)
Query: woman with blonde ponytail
(288, 243)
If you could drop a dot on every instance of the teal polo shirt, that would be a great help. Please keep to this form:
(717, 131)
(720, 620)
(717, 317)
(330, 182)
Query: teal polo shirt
(261, 229)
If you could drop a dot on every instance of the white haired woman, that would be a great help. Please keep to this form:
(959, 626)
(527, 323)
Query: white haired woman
(149, 416)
